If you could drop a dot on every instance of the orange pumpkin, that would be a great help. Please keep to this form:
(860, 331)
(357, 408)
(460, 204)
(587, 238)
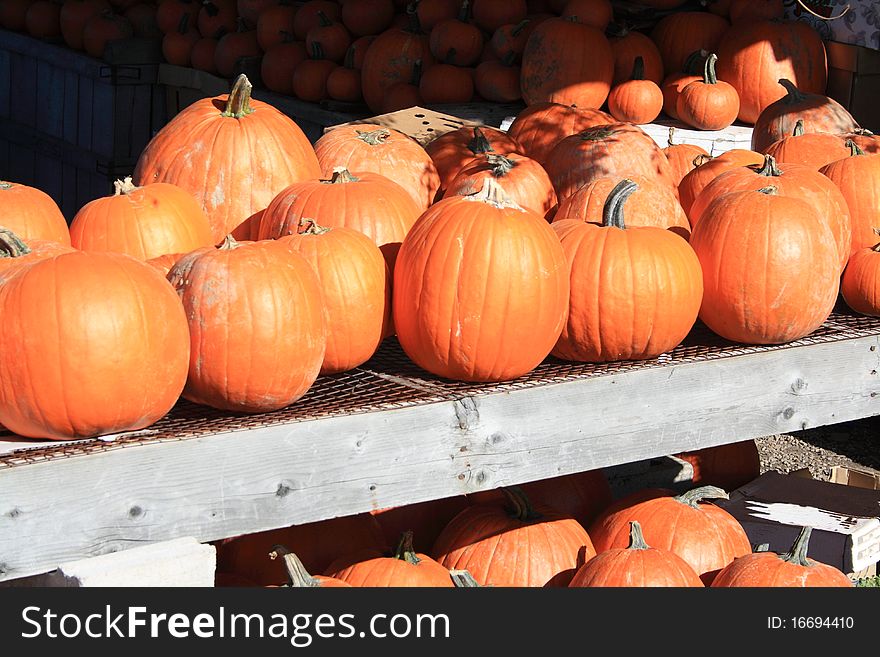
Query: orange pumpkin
(509, 41)
(456, 41)
(812, 149)
(275, 25)
(446, 84)
(497, 82)
(538, 128)
(31, 213)
(311, 75)
(75, 14)
(683, 158)
(405, 568)
(202, 55)
(706, 171)
(217, 17)
(491, 14)
(860, 285)
(333, 37)
(523, 179)
(674, 83)
(637, 100)
(727, 466)
(425, 519)
(453, 150)
(710, 103)
(232, 47)
(177, 45)
(858, 179)
(170, 12)
(629, 46)
(432, 12)
(308, 15)
(102, 28)
(367, 17)
(680, 34)
(279, 63)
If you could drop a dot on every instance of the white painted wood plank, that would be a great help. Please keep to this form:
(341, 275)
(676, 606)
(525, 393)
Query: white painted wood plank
(242, 482)
(714, 142)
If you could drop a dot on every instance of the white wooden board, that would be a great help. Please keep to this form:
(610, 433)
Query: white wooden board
(714, 142)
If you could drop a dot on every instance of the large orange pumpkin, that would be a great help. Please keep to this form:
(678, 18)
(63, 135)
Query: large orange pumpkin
(230, 152)
(567, 62)
(453, 150)
(99, 345)
(405, 568)
(771, 268)
(31, 213)
(539, 127)
(256, 319)
(369, 148)
(460, 258)
(858, 179)
(680, 34)
(812, 149)
(144, 222)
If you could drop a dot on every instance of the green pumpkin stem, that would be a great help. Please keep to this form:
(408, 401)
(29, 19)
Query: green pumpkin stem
(183, 23)
(405, 550)
(636, 537)
(324, 19)
(516, 31)
(769, 168)
(462, 579)
(479, 144)
(342, 175)
(518, 505)
(464, 11)
(412, 14)
(694, 496)
(638, 69)
(854, 148)
(11, 245)
(798, 128)
(509, 58)
(612, 213)
(239, 102)
(374, 137)
(297, 575)
(416, 77)
(125, 186)
(793, 95)
(501, 165)
(695, 61)
(798, 553)
(709, 75)
(769, 190)
(317, 50)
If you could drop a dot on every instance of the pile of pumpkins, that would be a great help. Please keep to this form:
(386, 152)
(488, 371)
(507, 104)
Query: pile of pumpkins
(240, 262)
(562, 532)
(707, 68)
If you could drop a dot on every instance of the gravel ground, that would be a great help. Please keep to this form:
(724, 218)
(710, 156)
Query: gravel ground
(855, 443)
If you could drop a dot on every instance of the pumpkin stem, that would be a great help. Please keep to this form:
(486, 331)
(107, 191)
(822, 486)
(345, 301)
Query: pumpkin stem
(769, 190)
(863, 132)
(310, 227)
(324, 20)
(405, 550)
(416, 73)
(183, 23)
(694, 62)
(597, 134)
(638, 69)
(5, 185)
(287, 37)
(317, 50)
(239, 102)
(798, 553)
(450, 56)
(612, 213)
(479, 144)
(794, 94)
(854, 148)
(228, 243)
(412, 14)
(501, 165)
(798, 128)
(669, 137)
(462, 579)
(509, 58)
(769, 168)
(297, 575)
(125, 186)
(519, 507)
(342, 175)
(709, 76)
(464, 11)
(519, 27)
(701, 159)
(694, 496)
(876, 247)
(636, 537)
(11, 245)
(493, 194)
(374, 137)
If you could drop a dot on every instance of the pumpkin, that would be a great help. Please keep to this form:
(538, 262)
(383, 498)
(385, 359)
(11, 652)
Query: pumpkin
(89, 359)
(275, 25)
(819, 114)
(865, 139)
(356, 289)
(538, 128)
(344, 82)
(567, 62)
(332, 36)
(317, 544)
(860, 285)
(726, 466)
(432, 12)
(750, 10)
(232, 47)
(177, 46)
(210, 150)
(425, 519)
(491, 14)
(812, 149)
(280, 62)
(523, 179)
(404, 94)
(405, 568)
(164, 263)
(256, 320)
(309, 15)
(363, 201)
(311, 75)
(43, 20)
(15, 252)
(388, 152)
(459, 331)
(706, 171)
(754, 55)
(674, 83)
(650, 204)
(250, 10)
(31, 213)
(445, 84)
(517, 544)
(793, 180)
(73, 17)
(683, 158)
(217, 17)
(456, 41)
(102, 28)
(358, 51)
(390, 59)
(710, 103)
(603, 151)
(678, 35)
(793, 569)
(297, 574)
(202, 55)
(596, 13)
(582, 495)
(639, 314)
(857, 176)
(170, 12)
(13, 14)
(367, 17)
(452, 151)
(144, 222)
(636, 565)
(142, 17)
(509, 41)
(771, 267)
(637, 100)
(706, 536)
(633, 45)
(497, 82)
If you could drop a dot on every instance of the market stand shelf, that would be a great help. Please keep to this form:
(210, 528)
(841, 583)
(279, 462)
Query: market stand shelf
(388, 434)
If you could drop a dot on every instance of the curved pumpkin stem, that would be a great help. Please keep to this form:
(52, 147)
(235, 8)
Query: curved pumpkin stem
(297, 575)
(693, 497)
(239, 102)
(479, 144)
(638, 69)
(798, 553)
(324, 19)
(462, 579)
(516, 31)
(709, 76)
(701, 159)
(695, 61)
(669, 137)
(310, 227)
(794, 94)
(405, 550)
(518, 505)
(612, 213)
(798, 128)
(636, 537)
(769, 168)
(11, 245)
(125, 186)
(493, 194)
(374, 137)
(501, 165)
(853, 148)
(342, 175)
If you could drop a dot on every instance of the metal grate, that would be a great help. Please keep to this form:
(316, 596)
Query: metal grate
(390, 380)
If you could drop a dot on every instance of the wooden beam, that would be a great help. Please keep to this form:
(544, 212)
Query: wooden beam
(246, 481)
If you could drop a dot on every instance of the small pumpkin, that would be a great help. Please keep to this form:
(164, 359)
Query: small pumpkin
(31, 213)
(332, 36)
(308, 15)
(101, 29)
(456, 41)
(275, 25)
(683, 158)
(75, 14)
(217, 17)
(539, 127)
(446, 84)
(727, 466)
(707, 170)
(710, 103)
(860, 285)
(637, 100)
(405, 568)
(202, 55)
(812, 149)
(453, 150)
(232, 47)
(170, 12)
(523, 179)
(509, 41)
(497, 81)
(280, 62)
(674, 83)
(177, 45)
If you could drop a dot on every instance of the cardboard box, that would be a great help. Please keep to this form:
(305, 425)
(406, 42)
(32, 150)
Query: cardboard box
(854, 81)
(845, 519)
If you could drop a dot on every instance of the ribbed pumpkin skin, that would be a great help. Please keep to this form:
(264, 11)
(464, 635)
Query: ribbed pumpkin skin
(372, 204)
(636, 568)
(88, 359)
(636, 101)
(567, 62)
(635, 292)
(770, 267)
(31, 213)
(682, 158)
(652, 204)
(256, 319)
(527, 184)
(453, 150)
(766, 569)
(539, 127)
(795, 180)
(391, 154)
(679, 34)
(616, 149)
(356, 289)
(694, 181)
(812, 149)
(144, 222)
(500, 550)
(233, 166)
(858, 179)
(860, 285)
(390, 572)
(480, 291)
(707, 537)
(390, 59)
